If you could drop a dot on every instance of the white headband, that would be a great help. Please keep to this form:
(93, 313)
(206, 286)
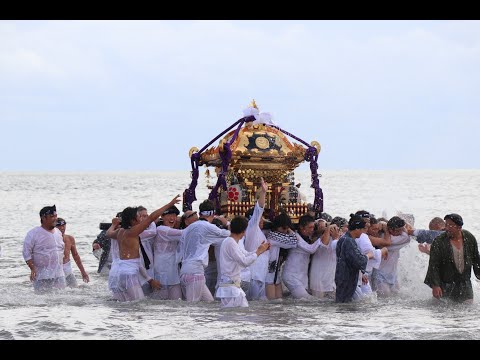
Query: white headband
(207, 213)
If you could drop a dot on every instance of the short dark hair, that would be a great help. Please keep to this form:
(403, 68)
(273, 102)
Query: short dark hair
(206, 205)
(356, 222)
(363, 213)
(48, 210)
(282, 220)
(171, 210)
(395, 222)
(339, 221)
(128, 215)
(238, 224)
(457, 219)
(326, 217)
(305, 220)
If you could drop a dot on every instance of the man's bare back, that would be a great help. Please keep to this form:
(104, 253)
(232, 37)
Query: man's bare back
(129, 245)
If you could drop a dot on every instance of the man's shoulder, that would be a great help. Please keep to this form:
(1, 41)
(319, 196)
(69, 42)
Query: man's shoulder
(34, 230)
(468, 234)
(69, 238)
(441, 240)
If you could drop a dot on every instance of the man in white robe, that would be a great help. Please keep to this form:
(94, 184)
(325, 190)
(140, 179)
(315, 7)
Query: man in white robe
(295, 272)
(192, 252)
(386, 276)
(254, 236)
(43, 251)
(164, 250)
(232, 259)
(323, 263)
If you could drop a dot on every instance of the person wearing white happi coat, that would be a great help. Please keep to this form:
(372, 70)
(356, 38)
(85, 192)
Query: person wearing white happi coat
(254, 236)
(192, 252)
(146, 255)
(386, 276)
(245, 274)
(233, 258)
(295, 272)
(323, 263)
(165, 265)
(365, 246)
(282, 236)
(43, 251)
(113, 273)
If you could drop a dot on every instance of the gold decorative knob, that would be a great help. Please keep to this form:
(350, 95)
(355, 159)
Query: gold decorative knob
(192, 150)
(316, 145)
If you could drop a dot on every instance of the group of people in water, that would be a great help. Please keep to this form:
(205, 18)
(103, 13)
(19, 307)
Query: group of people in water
(202, 256)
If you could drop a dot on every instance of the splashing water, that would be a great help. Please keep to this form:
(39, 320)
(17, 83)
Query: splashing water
(86, 312)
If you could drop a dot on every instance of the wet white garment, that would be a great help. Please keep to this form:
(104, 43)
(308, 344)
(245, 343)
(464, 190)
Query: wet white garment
(388, 270)
(164, 250)
(322, 270)
(192, 250)
(147, 238)
(233, 258)
(194, 287)
(67, 268)
(365, 246)
(115, 253)
(234, 301)
(295, 272)
(126, 284)
(278, 240)
(254, 236)
(245, 274)
(46, 249)
(230, 293)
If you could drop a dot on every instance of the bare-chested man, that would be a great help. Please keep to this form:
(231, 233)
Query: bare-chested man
(125, 284)
(70, 247)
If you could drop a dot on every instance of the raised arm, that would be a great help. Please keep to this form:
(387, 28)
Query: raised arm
(286, 241)
(263, 192)
(112, 231)
(308, 248)
(140, 227)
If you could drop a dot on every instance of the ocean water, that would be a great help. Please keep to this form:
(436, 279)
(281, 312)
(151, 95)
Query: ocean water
(86, 312)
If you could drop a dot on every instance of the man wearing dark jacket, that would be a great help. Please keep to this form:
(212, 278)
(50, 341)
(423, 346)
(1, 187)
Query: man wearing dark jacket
(350, 260)
(452, 256)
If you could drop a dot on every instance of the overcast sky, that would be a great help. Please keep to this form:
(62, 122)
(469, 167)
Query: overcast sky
(137, 95)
